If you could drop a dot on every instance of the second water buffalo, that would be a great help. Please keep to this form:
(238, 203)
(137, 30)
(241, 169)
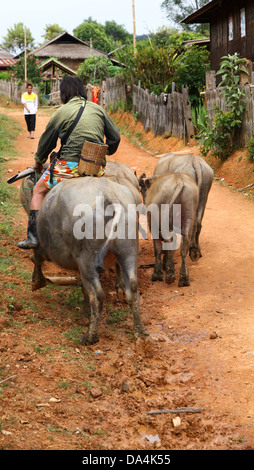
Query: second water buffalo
(203, 174)
(163, 192)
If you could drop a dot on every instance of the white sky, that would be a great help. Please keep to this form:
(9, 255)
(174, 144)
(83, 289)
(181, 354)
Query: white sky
(70, 13)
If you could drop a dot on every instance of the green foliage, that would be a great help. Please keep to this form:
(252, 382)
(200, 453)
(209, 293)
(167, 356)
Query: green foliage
(75, 297)
(172, 38)
(115, 70)
(106, 37)
(117, 33)
(9, 130)
(250, 149)
(94, 33)
(125, 56)
(191, 67)
(120, 106)
(177, 10)
(154, 67)
(33, 72)
(117, 315)
(14, 41)
(157, 63)
(5, 76)
(199, 117)
(219, 139)
(52, 31)
(94, 69)
(235, 96)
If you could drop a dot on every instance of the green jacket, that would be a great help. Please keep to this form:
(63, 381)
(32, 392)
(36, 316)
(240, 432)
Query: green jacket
(94, 124)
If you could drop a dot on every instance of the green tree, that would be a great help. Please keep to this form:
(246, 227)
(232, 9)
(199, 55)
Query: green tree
(191, 67)
(94, 33)
(94, 69)
(125, 56)
(219, 139)
(168, 37)
(177, 10)
(14, 41)
(117, 32)
(33, 72)
(52, 31)
(154, 67)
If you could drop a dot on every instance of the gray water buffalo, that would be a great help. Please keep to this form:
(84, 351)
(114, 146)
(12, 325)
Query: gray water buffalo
(119, 281)
(115, 170)
(126, 182)
(202, 173)
(163, 192)
(61, 226)
(122, 170)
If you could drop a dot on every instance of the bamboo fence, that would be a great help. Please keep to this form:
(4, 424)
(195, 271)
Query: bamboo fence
(215, 97)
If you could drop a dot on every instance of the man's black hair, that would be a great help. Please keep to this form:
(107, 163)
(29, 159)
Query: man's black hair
(71, 86)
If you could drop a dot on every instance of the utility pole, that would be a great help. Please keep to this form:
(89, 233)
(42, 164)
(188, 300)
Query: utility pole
(25, 59)
(134, 26)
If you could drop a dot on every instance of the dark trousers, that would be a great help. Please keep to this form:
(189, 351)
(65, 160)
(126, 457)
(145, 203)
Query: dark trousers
(30, 121)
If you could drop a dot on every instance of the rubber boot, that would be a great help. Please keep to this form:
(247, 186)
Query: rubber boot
(31, 241)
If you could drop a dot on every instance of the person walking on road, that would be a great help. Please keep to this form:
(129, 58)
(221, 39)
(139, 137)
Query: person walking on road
(30, 101)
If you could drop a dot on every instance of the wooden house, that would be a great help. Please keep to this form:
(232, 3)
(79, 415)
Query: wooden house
(53, 71)
(231, 28)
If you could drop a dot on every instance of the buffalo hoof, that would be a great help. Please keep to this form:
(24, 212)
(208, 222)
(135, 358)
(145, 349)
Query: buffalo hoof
(170, 278)
(89, 339)
(183, 281)
(194, 254)
(141, 331)
(157, 277)
(38, 284)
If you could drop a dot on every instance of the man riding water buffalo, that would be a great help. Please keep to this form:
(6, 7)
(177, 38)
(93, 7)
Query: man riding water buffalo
(93, 124)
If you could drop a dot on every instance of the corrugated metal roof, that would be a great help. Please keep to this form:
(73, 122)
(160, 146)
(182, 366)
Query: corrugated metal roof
(7, 62)
(5, 54)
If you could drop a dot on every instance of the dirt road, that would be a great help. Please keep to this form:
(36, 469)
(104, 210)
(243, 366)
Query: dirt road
(201, 354)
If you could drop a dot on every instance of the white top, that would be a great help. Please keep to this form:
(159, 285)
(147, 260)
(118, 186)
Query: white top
(31, 101)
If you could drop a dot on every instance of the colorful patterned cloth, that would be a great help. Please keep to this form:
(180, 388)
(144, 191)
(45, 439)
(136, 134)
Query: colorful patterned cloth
(65, 170)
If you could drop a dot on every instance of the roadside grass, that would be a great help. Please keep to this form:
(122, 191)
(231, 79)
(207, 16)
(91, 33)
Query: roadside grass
(9, 131)
(117, 315)
(10, 264)
(136, 138)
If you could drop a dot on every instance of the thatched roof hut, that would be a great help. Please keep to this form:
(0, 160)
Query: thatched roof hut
(70, 50)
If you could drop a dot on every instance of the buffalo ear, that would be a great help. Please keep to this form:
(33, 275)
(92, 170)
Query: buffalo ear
(147, 182)
(140, 181)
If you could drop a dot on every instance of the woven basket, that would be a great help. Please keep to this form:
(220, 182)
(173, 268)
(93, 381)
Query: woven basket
(92, 157)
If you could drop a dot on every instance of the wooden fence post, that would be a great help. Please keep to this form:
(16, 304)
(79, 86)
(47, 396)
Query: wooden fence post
(187, 114)
(168, 114)
(210, 80)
